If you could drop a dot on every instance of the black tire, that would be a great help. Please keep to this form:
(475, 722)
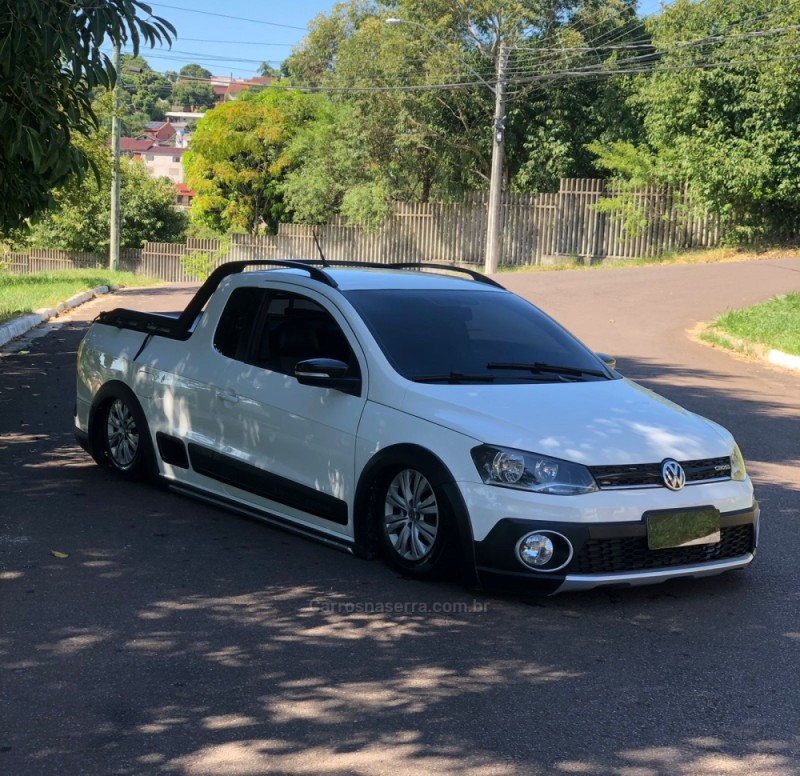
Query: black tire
(414, 522)
(125, 438)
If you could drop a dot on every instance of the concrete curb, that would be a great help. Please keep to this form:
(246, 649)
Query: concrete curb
(785, 360)
(16, 327)
(744, 348)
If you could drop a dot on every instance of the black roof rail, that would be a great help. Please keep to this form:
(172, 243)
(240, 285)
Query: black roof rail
(181, 327)
(474, 274)
(198, 302)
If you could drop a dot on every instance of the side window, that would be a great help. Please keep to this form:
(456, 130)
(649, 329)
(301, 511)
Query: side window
(235, 328)
(296, 328)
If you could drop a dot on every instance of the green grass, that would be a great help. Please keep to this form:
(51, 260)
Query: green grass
(773, 324)
(22, 294)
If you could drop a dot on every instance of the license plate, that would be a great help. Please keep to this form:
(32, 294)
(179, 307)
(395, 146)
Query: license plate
(682, 528)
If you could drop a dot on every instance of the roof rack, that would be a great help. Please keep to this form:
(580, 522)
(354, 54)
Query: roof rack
(180, 327)
(475, 275)
(312, 266)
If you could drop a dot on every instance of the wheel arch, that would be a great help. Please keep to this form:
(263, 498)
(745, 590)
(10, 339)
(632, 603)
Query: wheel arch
(113, 389)
(389, 459)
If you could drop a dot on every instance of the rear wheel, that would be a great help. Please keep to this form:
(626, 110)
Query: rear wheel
(414, 522)
(126, 438)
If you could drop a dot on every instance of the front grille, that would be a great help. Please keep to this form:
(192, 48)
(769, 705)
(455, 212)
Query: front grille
(631, 553)
(648, 475)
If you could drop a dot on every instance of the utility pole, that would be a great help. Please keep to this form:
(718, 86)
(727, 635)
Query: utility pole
(494, 221)
(113, 256)
(494, 226)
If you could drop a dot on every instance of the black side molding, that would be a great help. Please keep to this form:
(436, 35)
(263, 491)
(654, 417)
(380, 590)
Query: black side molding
(271, 486)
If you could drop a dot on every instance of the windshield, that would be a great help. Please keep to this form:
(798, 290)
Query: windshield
(464, 336)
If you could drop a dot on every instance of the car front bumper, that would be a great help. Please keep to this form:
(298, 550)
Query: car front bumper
(611, 554)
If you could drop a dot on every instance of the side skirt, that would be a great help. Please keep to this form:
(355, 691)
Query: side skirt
(345, 545)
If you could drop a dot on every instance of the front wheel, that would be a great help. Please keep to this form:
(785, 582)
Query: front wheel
(415, 524)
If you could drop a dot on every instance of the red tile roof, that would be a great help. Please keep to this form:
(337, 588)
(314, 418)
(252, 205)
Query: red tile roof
(134, 145)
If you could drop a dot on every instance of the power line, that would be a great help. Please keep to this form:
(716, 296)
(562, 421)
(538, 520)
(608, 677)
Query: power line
(237, 42)
(228, 16)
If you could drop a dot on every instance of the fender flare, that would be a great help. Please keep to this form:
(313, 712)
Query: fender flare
(113, 389)
(409, 455)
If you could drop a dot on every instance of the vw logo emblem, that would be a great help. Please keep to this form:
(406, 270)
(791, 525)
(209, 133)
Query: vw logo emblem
(673, 475)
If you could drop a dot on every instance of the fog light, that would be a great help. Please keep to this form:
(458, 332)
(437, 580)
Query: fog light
(535, 550)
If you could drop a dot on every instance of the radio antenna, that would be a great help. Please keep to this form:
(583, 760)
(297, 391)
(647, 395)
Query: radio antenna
(319, 248)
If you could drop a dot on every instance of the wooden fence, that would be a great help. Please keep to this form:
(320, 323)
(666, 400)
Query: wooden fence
(537, 229)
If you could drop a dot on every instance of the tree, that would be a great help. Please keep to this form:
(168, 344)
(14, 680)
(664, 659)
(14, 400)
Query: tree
(403, 137)
(194, 71)
(150, 92)
(81, 217)
(265, 70)
(720, 114)
(194, 95)
(50, 61)
(238, 159)
(193, 89)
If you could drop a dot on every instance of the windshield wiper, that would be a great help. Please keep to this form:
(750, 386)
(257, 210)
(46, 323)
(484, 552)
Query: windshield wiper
(541, 367)
(454, 377)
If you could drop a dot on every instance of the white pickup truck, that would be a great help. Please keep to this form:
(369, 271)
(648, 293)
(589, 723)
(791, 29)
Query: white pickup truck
(419, 411)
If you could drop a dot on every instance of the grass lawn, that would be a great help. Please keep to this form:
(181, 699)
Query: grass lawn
(773, 324)
(22, 294)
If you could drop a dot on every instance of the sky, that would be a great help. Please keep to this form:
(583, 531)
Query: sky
(233, 37)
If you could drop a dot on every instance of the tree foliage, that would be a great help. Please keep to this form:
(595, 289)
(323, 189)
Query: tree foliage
(81, 218)
(149, 92)
(238, 159)
(721, 115)
(193, 95)
(50, 61)
(393, 134)
(193, 90)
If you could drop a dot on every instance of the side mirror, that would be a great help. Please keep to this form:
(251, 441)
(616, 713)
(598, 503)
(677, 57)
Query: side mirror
(609, 361)
(327, 373)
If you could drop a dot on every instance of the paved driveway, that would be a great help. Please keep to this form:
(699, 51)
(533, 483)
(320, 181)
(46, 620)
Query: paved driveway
(178, 639)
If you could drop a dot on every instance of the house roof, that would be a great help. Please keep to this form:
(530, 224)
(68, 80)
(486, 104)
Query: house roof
(135, 145)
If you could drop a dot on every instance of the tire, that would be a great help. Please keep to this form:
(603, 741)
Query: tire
(414, 522)
(126, 438)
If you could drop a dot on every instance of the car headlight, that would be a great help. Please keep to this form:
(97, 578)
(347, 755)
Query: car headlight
(530, 471)
(738, 471)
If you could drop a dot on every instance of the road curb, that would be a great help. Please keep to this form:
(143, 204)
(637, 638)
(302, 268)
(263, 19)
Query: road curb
(742, 347)
(16, 327)
(787, 361)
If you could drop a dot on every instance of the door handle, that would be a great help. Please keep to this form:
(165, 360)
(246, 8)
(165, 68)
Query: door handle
(228, 396)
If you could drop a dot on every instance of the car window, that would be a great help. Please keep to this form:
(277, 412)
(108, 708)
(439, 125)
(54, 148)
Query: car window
(294, 328)
(235, 327)
(438, 332)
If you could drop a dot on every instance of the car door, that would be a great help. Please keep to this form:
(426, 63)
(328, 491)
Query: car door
(183, 385)
(290, 448)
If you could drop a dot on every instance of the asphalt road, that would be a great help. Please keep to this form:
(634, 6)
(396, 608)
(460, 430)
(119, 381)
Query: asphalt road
(179, 639)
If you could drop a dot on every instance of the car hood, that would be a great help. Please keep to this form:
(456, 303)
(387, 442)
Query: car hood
(594, 423)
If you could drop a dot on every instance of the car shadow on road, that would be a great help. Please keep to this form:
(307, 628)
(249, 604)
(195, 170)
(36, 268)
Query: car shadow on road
(177, 638)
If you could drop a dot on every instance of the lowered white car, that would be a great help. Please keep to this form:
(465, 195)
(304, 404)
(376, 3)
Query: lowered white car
(437, 419)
